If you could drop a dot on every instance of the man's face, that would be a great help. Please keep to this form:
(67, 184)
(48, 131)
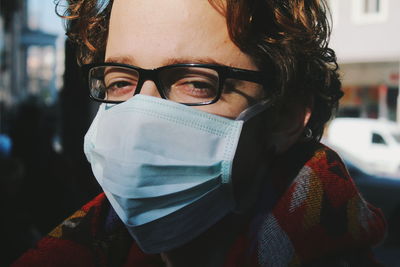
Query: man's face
(152, 33)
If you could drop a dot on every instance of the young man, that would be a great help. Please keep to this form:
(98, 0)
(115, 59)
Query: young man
(206, 144)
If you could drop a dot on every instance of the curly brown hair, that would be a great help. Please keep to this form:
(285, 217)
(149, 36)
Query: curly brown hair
(286, 37)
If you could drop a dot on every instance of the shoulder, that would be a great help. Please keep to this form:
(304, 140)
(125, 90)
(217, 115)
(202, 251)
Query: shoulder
(319, 214)
(71, 242)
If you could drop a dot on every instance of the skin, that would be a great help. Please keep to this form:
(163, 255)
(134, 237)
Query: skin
(151, 34)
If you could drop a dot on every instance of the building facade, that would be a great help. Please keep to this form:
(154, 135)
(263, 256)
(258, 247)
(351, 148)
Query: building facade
(27, 59)
(366, 38)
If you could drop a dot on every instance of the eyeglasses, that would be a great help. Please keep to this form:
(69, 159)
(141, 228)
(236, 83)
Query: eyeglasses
(189, 84)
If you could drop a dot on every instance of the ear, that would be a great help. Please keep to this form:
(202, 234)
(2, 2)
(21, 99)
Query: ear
(290, 129)
(307, 116)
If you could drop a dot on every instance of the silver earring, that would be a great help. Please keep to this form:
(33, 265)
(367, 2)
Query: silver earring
(308, 133)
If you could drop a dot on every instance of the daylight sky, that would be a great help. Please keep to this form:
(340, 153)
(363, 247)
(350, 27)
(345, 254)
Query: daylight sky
(42, 16)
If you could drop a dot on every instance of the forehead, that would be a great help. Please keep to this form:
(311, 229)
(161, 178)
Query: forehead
(153, 32)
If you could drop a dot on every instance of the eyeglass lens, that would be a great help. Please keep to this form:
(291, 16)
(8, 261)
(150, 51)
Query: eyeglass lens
(179, 84)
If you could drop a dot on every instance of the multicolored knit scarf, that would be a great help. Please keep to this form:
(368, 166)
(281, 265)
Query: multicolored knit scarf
(309, 214)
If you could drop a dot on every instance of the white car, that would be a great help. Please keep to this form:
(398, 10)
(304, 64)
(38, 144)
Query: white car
(372, 145)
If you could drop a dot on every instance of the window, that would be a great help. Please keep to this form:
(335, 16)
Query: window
(371, 6)
(378, 139)
(370, 11)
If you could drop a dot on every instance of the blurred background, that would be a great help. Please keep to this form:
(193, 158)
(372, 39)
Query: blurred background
(45, 112)
(366, 133)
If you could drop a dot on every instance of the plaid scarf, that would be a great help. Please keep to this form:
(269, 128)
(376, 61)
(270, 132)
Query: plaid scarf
(309, 213)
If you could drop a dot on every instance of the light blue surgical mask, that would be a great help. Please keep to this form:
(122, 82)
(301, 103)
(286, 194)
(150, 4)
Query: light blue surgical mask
(166, 168)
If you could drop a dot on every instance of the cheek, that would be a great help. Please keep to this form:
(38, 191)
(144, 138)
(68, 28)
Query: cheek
(233, 102)
(224, 108)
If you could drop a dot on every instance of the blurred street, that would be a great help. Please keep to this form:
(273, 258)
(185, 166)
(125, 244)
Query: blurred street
(383, 192)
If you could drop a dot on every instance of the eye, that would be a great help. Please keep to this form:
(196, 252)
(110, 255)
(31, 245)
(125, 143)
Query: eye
(190, 84)
(195, 87)
(118, 85)
(120, 89)
(113, 82)
(195, 84)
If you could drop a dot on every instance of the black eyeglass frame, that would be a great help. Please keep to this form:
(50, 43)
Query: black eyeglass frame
(224, 72)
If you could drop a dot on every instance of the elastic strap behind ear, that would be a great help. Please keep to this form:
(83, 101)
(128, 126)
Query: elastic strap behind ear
(252, 111)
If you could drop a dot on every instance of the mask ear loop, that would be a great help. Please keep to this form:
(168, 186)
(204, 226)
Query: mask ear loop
(108, 106)
(252, 111)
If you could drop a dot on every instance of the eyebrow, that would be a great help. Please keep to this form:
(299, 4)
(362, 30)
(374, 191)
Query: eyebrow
(170, 61)
(182, 60)
(121, 59)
